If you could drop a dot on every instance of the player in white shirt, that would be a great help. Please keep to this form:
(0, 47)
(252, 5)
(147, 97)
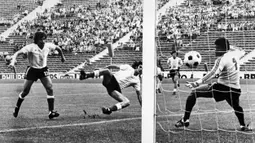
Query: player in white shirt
(174, 63)
(114, 82)
(160, 76)
(37, 54)
(227, 86)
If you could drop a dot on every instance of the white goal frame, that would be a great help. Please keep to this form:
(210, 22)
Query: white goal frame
(149, 72)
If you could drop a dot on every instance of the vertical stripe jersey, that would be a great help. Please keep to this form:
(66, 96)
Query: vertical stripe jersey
(228, 69)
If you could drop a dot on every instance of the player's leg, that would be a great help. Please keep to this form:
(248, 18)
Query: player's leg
(47, 83)
(178, 76)
(201, 91)
(26, 88)
(113, 89)
(233, 101)
(158, 84)
(175, 81)
(160, 77)
(96, 73)
(159, 80)
(123, 102)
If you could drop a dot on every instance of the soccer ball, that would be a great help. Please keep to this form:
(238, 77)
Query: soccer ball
(8, 58)
(192, 59)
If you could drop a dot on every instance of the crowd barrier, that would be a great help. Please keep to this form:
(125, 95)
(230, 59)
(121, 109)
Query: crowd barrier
(184, 75)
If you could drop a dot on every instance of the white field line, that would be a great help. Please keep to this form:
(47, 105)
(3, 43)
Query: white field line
(96, 123)
(102, 122)
(69, 125)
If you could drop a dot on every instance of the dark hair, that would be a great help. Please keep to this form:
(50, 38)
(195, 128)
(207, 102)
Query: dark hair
(39, 35)
(174, 52)
(136, 64)
(223, 44)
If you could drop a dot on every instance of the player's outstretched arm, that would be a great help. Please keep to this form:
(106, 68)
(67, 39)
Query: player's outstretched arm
(216, 68)
(14, 57)
(63, 59)
(139, 96)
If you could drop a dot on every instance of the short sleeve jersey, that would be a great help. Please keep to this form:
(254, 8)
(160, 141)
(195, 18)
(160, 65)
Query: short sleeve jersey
(126, 78)
(228, 68)
(37, 58)
(174, 64)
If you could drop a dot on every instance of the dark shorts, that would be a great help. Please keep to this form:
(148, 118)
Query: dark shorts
(160, 77)
(112, 85)
(174, 73)
(222, 92)
(219, 92)
(35, 74)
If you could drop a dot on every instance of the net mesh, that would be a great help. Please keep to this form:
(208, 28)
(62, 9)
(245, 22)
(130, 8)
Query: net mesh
(210, 121)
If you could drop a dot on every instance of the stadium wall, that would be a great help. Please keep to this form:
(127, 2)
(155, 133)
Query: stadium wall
(184, 75)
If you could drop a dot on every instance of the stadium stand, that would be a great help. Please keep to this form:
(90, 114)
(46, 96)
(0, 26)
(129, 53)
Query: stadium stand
(15, 11)
(207, 22)
(67, 17)
(91, 10)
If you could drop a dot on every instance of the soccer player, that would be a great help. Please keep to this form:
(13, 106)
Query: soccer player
(174, 64)
(37, 54)
(159, 79)
(227, 86)
(125, 77)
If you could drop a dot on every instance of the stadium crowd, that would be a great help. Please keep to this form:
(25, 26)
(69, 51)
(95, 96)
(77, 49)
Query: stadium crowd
(19, 10)
(83, 28)
(190, 20)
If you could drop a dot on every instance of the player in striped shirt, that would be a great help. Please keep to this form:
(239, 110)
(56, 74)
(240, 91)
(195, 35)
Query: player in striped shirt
(227, 86)
(37, 54)
(126, 76)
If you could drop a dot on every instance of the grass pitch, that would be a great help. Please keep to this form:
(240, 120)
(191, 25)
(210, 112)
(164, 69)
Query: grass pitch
(73, 126)
(207, 125)
(210, 122)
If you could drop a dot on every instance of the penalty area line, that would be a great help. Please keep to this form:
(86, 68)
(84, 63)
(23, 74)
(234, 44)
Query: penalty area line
(68, 125)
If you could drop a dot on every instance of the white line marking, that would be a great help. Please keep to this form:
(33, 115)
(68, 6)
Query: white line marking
(68, 125)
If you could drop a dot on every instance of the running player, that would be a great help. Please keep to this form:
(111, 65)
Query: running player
(174, 64)
(37, 54)
(227, 86)
(114, 82)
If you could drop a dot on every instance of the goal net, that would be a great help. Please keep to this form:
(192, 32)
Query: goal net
(194, 26)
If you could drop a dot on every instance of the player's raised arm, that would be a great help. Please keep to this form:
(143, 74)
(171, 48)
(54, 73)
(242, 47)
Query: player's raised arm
(168, 61)
(139, 96)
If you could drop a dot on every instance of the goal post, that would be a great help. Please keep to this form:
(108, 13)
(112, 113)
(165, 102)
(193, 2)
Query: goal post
(149, 72)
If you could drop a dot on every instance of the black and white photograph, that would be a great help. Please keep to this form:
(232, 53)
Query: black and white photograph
(127, 71)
